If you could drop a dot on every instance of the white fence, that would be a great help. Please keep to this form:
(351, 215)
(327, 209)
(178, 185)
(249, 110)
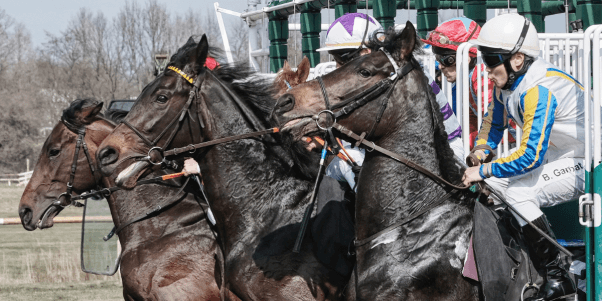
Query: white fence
(18, 179)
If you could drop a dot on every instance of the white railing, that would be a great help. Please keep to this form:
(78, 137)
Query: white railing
(19, 179)
(591, 46)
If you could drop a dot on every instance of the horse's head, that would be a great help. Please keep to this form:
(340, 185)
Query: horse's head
(295, 108)
(286, 78)
(162, 110)
(186, 104)
(45, 195)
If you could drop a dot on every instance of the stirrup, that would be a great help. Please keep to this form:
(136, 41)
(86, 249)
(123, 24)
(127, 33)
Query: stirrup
(528, 286)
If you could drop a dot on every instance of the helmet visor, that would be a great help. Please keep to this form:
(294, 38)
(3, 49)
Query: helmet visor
(344, 57)
(493, 60)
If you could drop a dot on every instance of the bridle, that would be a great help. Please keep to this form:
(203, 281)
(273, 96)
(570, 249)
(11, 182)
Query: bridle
(66, 198)
(178, 119)
(385, 85)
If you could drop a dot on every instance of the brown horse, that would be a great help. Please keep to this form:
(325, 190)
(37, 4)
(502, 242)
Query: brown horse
(256, 192)
(169, 256)
(286, 78)
(423, 258)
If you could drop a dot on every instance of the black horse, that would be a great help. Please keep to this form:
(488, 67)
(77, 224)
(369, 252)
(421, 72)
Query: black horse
(422, 259)
(257, 192)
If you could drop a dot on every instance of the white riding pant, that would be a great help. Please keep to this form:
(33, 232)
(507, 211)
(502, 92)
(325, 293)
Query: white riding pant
(551, 184)
(341, 171)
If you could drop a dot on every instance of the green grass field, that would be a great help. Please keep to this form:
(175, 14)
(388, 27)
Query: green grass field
(45, 264)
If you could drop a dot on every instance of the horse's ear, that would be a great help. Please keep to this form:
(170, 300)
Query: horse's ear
(87, 114)
(286, 67)
(190, 41)
(408, 41)
(303, 70)
(202, 50)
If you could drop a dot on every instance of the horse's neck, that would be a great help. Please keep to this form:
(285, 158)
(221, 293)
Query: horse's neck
(128, 205)
(249, 188)
(388, 190)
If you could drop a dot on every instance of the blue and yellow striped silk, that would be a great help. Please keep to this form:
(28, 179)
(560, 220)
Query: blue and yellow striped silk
(537, 114)
(494, 123)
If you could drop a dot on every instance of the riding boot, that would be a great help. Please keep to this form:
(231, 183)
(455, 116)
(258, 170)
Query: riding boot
(546, 257)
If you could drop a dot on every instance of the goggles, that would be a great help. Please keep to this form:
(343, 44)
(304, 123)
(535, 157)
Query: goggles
(493, 60)
(446, 60)
(343, 58)
(441, 38)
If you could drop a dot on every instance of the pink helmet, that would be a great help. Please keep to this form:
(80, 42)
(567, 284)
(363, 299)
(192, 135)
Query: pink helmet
(451, 33)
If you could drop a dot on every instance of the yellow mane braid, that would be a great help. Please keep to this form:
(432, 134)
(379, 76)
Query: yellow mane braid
(180, 72)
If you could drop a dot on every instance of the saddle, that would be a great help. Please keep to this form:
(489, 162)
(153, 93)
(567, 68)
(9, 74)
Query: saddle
(502, 259)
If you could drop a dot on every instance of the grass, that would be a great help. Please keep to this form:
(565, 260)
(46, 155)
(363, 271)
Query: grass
(45, 264)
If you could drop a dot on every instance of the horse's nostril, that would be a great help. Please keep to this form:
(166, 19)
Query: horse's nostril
(107, 156)
(26, 214)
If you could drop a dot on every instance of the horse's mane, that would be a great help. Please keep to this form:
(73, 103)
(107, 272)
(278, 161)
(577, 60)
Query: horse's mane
(392, 43)
(257, 91)
(69, 114)
(447, 161)
(115, 115)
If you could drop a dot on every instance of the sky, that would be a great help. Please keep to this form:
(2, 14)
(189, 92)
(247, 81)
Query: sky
(53, 16)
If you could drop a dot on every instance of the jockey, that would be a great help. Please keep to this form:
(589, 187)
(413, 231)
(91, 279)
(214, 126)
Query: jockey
(344, 42)
(547, 168)
(445, 40)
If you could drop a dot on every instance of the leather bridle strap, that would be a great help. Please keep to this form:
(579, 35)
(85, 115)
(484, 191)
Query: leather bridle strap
(192, 147)
(324, 92)
(157, 209)
(177, 119)
(373, 92)
(359, 243)
(371, 146)
(135, 130)
(80, 143)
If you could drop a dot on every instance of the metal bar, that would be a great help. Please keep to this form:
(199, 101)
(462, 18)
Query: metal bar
(222, 29)
(227, 11)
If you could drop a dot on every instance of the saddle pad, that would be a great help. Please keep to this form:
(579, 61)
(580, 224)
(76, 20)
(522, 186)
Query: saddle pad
(470, 266)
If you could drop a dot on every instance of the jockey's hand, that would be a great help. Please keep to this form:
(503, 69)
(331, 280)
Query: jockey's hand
(471, 175)
(191, 167)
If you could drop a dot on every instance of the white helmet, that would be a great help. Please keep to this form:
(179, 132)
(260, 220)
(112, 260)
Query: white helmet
(347, 31)
(503, 33)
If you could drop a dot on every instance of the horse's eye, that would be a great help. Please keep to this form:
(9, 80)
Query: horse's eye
(53, 152)
(365, 73)
(162, 99)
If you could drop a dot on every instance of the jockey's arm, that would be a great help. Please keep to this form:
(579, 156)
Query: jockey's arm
(494, 124)
(538, 111)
